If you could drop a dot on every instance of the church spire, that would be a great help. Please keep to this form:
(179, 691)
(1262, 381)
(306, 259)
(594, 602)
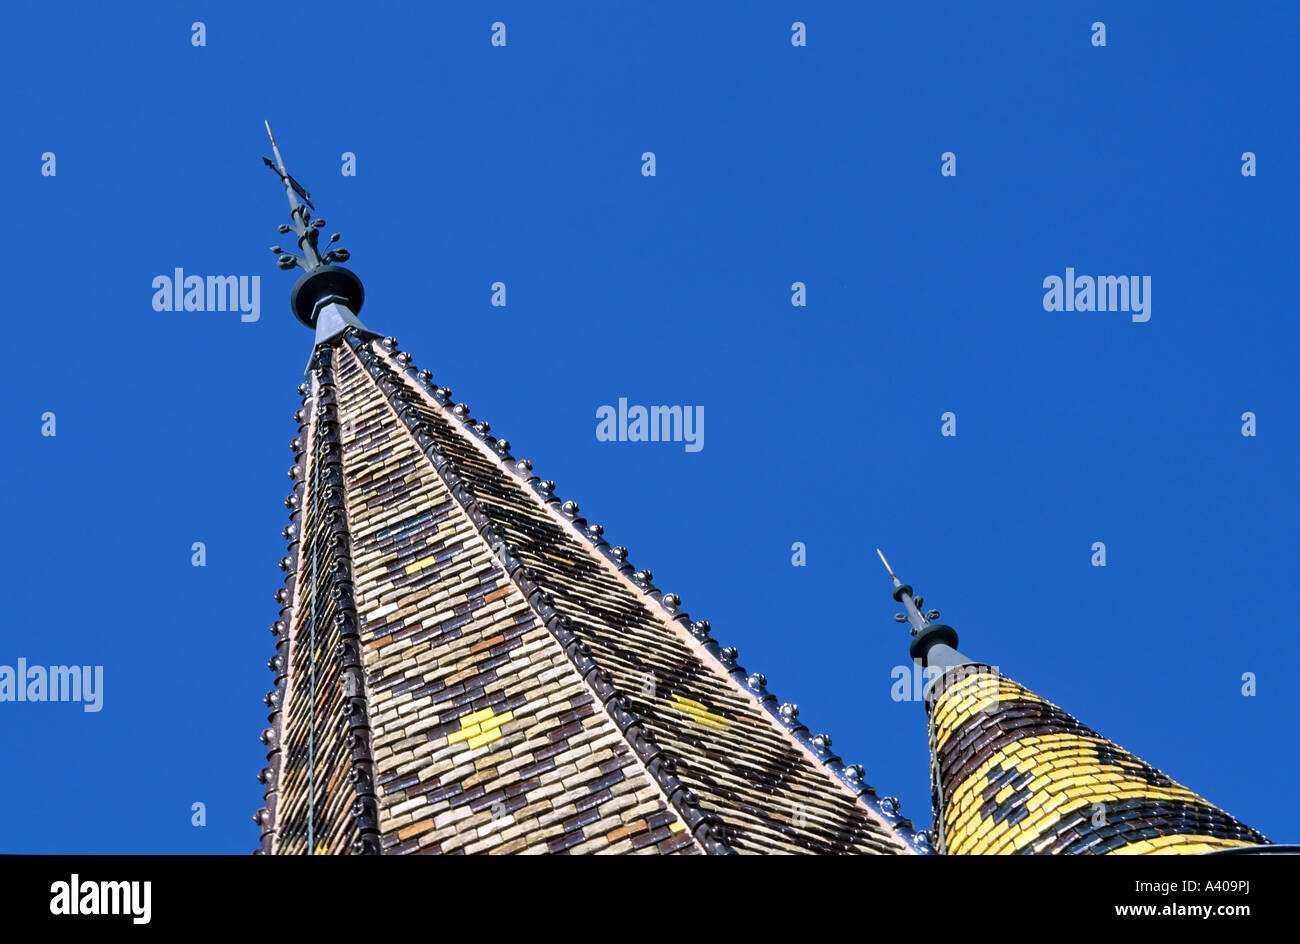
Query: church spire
(465, 664)
(1014, 774)
(327, 297)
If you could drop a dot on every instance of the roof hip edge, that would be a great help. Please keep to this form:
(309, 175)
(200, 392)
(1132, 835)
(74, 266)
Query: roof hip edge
(318, 443)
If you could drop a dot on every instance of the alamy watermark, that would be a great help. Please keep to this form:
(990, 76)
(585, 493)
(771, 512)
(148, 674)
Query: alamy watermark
(683, 424)
(910, 682)
(181, 292)
(39, 683)
(1104, 293)
(78, 897)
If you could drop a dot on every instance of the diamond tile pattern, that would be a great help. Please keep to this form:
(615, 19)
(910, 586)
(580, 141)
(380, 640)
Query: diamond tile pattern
(1020, 776)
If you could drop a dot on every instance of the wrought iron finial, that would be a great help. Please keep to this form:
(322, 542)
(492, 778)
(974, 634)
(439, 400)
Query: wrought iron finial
(307, 230)
(323, 280)
(933, 644)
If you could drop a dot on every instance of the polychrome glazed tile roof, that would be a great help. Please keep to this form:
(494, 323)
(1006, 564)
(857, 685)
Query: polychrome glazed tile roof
(1017, 775)
(484, 737)
(525, 689)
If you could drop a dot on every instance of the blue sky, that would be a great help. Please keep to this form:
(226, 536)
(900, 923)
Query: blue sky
(775, 164)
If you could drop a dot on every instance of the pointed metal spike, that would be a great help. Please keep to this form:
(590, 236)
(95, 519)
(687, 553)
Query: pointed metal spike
(274, 148)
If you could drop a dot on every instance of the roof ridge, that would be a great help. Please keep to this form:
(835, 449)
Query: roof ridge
(850, 777)
(282, 630)
(705, 825)
(318, 417)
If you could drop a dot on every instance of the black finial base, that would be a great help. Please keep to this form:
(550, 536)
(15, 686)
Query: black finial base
(933, 633)
(322, 282)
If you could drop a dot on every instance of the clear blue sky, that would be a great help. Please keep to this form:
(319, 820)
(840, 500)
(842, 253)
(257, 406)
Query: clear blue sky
(774, 164)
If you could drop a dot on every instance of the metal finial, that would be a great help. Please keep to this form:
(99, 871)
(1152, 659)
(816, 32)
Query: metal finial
(323, 281)
(933, 645)
(307, 231)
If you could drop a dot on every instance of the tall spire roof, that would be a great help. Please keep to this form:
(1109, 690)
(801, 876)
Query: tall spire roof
(1011, 773)
(465, 664)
